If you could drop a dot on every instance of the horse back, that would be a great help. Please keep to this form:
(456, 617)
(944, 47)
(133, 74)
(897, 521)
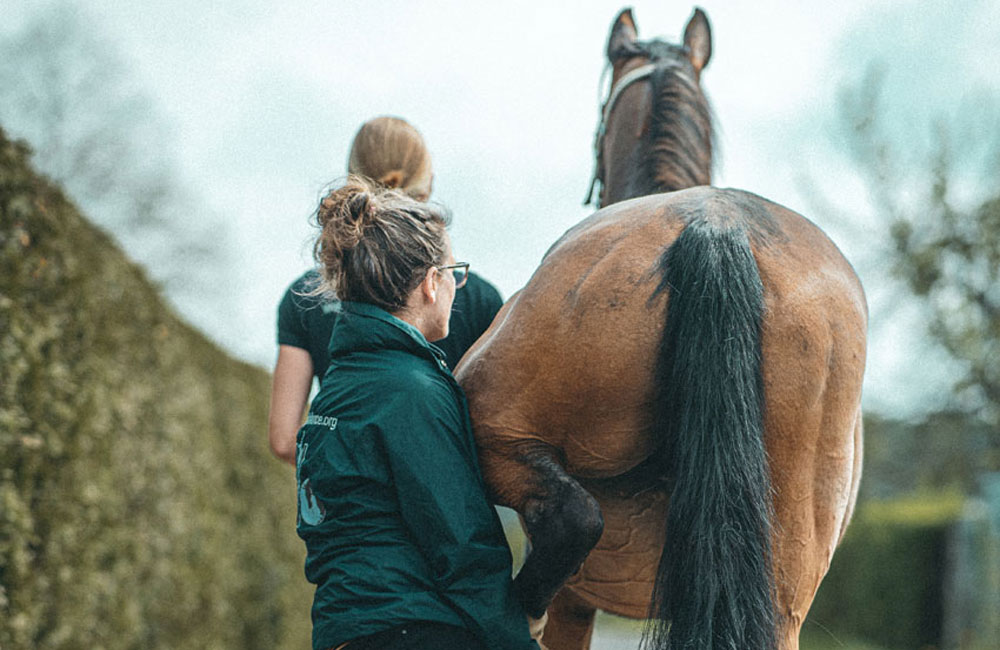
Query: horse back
(570, 362)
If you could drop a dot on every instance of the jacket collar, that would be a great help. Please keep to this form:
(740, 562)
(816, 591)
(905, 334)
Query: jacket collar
(362, 326)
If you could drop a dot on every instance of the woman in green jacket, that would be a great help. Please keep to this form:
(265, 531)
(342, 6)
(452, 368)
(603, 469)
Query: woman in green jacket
(402, 544)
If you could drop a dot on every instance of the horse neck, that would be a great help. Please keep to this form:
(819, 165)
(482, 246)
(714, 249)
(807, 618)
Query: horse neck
(680, 135)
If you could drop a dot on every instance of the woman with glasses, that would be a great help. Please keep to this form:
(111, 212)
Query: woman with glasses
(390, 152)
(402, 544)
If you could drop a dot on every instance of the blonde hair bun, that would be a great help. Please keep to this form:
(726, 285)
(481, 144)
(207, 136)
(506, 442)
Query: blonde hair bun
(390, 151)
(393, 179)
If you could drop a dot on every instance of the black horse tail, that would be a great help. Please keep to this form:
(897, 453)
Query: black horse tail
(714, 587)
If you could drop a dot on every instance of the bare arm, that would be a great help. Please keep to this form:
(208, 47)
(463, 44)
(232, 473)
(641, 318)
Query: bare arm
(289, 392)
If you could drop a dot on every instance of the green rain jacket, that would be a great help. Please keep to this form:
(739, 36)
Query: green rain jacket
(392, 506)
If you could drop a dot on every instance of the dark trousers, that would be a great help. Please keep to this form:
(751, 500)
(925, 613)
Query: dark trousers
(419, 635)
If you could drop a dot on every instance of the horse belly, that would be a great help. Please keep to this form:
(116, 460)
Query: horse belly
(619, 572)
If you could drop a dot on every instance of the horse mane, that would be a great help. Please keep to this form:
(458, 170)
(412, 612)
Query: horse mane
(681, 132)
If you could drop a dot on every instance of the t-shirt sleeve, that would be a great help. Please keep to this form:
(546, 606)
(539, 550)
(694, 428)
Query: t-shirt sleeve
(443, 502)
(291, 326)
(490, 303)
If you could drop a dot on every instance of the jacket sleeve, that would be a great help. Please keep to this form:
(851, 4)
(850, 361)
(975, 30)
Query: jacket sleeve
(443, 502)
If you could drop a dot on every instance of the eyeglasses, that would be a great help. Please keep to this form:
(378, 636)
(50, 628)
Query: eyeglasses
(460, 271)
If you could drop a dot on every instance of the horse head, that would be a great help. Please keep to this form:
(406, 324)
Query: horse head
(655, 133)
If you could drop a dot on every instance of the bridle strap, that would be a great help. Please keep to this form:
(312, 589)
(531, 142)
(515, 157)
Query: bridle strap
(627, 80)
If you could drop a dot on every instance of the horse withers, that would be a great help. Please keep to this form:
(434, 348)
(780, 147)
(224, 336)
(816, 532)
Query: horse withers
(672, 402)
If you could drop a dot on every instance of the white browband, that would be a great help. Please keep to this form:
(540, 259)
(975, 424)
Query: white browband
(627, 79)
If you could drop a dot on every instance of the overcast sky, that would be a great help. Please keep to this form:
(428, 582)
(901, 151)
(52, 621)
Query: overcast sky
(261, 99)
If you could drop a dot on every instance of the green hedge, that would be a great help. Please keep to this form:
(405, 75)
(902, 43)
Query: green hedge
(973, 606)
(139, 506)
(887, 578)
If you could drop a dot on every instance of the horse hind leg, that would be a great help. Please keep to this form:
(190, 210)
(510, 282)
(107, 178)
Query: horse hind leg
(571, 622)
(820, 469)
(562, 520)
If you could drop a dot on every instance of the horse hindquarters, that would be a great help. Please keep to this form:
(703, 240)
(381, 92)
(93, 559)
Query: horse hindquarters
(714, 583)
(814, 351)
(542, 446)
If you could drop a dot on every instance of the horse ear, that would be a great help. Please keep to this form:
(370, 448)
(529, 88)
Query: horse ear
(623, 34)
(698, 40)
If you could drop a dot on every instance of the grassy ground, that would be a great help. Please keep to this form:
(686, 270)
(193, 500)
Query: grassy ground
(614, 633)
(814, 637)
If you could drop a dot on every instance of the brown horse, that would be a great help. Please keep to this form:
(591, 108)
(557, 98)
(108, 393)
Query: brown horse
(673, 400)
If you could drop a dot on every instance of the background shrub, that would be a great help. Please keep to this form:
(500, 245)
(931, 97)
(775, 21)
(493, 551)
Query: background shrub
(887, 577)
(139, 506)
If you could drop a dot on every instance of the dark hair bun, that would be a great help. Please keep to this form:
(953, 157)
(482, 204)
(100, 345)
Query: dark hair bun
(344, 213)
(377, 243)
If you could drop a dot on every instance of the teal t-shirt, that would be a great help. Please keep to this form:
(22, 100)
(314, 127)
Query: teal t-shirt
(306, 321)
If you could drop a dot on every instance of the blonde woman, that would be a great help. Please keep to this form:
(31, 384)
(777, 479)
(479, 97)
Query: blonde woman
(392, 153)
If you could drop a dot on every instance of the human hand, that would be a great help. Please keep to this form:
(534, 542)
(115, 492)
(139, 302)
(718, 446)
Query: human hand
(537, 627)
